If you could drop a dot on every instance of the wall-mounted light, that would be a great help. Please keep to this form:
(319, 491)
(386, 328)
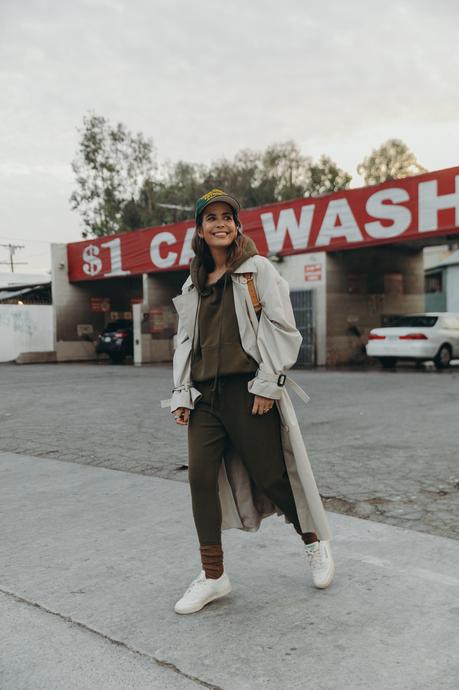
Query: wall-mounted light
(275, 258)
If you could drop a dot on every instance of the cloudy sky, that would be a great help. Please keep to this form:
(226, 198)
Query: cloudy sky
(205, 79)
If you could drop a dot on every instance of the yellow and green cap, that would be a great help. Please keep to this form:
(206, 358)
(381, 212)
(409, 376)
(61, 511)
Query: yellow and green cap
(216, 195)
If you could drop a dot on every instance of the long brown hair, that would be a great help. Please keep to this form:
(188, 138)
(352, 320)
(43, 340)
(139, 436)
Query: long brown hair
(202, 251)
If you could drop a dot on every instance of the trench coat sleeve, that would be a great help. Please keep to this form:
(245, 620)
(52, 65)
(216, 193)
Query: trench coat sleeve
(183, 393)
(278, 339)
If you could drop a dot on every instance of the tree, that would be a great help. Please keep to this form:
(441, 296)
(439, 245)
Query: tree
(111, 167)
(391, 161)
(119, 187)
(285, 172)
(326, 178)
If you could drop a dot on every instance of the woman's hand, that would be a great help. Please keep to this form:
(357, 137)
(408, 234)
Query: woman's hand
(262, 405)
(182, 415)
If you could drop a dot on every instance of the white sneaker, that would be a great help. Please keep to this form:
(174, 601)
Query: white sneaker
(201, 592)
(320, 559)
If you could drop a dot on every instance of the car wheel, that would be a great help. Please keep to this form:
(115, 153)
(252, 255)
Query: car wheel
(388, 362)
(443, 357)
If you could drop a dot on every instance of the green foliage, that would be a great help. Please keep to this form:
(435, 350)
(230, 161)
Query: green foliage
(391, 161)
(326, 177)
(111, 167)
(119, 188)
(279, 173)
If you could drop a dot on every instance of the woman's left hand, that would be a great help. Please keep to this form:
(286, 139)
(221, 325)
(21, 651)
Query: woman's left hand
(262, 405)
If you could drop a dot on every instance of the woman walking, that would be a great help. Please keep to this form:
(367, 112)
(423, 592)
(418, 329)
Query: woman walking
(247, 460)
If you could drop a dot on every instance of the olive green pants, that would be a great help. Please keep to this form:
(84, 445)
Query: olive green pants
(257, 440)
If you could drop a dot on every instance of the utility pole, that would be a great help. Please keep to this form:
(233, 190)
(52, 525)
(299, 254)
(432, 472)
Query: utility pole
(12, 249)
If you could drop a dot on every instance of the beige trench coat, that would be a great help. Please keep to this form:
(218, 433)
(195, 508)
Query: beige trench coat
(274, 342)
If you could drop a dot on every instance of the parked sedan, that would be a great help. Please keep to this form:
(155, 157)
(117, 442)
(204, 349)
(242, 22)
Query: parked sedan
(116, 340)
(417, 337)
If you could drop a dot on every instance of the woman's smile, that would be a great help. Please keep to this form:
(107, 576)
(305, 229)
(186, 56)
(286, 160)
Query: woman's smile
(218, 224)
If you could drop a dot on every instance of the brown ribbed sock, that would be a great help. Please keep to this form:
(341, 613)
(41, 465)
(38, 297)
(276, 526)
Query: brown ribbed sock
(212, 560)
(309, 537)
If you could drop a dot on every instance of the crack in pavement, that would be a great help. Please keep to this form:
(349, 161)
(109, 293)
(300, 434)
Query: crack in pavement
(83, 626)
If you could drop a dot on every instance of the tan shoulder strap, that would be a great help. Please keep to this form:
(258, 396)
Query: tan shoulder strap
(253, 293)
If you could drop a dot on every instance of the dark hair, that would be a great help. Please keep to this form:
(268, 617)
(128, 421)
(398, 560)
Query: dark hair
(202, 251)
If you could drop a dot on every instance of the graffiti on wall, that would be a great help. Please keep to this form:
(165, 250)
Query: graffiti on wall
(19, 322)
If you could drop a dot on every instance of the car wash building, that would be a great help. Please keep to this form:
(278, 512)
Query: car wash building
(353, 259)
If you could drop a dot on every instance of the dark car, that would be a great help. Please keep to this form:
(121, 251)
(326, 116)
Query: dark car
(116, 340)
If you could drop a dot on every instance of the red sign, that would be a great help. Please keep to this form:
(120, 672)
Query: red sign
(313, 272)
(413, 208)
(100, 304)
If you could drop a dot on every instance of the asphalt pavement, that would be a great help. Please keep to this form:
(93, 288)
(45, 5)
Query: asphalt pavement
(383, 444)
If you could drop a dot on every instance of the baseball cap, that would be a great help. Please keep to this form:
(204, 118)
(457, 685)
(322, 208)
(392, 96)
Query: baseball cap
(216, 195)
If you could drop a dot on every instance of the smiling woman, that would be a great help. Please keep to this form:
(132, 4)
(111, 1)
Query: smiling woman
(229, 389)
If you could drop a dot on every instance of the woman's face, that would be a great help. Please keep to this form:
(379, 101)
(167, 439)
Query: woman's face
(218, 228)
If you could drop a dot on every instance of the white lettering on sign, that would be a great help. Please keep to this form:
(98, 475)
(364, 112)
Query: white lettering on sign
(187, 252)
(400, 215)
(115, 258)
(287, 223)
(93, 264)
(338, 211)
(430, 202)
(156, 258)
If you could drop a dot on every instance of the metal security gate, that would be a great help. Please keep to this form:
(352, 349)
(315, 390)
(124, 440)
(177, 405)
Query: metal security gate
(303, 308)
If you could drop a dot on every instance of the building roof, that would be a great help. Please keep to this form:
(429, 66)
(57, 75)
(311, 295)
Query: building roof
(451, 260)
(9, 294)
(20, 280)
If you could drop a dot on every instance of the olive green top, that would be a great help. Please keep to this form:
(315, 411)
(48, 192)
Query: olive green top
(218, 350)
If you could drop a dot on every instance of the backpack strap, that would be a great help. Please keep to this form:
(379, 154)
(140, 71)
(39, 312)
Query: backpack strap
(253, 294)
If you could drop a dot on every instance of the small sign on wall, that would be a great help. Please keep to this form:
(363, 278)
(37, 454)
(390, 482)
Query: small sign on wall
(160, 322)
(114, 315)
(313, 272)
(84, 329)
(100, 304)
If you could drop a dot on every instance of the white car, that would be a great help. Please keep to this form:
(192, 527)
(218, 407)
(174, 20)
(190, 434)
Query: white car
(420, 337)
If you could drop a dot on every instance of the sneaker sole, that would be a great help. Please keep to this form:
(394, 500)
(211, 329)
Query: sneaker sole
(197, 608)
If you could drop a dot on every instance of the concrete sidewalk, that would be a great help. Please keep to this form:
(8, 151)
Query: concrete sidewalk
(92, 561)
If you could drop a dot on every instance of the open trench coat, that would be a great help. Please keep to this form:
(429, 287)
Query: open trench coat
(274, 342)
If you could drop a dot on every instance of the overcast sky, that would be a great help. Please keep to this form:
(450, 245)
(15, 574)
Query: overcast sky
(205, 79)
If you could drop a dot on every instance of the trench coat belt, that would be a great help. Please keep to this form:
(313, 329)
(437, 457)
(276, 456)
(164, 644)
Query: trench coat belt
(268, 377)
(264, 376)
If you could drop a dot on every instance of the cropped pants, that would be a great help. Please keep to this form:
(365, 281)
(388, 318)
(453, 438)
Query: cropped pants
(257, 438)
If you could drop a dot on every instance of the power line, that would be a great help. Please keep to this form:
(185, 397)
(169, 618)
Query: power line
(24, 239)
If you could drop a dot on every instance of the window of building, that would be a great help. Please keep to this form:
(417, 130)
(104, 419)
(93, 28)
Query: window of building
(434, 282)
